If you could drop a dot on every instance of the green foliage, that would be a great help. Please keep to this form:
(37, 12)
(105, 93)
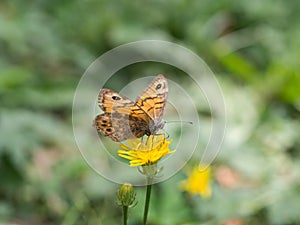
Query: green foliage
(252, 46)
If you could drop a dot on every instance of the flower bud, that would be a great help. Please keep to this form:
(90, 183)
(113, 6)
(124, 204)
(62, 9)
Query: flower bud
(126, 195)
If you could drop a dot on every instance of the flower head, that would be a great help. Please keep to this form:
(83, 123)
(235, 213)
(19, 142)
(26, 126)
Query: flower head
(145, 151)
(198, 182)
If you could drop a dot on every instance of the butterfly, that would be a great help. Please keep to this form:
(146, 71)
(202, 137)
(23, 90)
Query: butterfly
(124, 119)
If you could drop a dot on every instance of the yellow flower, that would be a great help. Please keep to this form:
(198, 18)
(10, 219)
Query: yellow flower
(145, 151)
(198, 182)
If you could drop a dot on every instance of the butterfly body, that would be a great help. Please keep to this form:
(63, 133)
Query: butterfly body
(123, 119)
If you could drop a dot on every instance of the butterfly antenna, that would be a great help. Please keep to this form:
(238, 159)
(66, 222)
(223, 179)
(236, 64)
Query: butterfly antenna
(167, 134)
(179, 121)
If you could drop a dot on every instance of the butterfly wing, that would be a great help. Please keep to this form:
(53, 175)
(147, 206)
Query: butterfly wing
(111, 102)
(117, 121)
(119, 127)
(153, 99)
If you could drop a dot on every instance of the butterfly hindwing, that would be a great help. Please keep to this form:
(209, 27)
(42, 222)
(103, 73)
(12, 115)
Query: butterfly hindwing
(120, 127)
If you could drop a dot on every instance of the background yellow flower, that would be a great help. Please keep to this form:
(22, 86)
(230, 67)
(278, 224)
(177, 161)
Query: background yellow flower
(198, 181)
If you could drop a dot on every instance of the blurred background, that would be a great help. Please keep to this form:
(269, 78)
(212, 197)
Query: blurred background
(253, 47)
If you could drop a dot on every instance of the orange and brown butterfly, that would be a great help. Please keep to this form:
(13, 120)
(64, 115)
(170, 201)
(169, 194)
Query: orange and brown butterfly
(124, 119)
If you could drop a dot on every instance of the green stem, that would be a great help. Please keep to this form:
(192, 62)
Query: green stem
(125, 214)
(147, 203)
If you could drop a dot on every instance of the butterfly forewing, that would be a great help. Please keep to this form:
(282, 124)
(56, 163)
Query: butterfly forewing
(153, 99)
(110, 101)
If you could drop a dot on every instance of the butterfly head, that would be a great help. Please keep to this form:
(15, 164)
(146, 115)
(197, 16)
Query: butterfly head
(155, 127)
